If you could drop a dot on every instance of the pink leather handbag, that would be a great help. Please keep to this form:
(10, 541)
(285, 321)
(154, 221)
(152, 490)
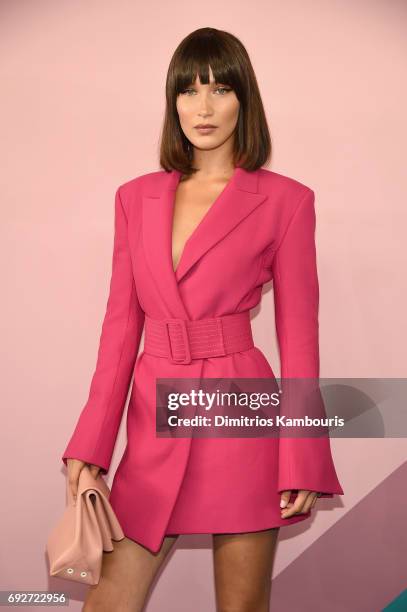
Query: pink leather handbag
(75, 545)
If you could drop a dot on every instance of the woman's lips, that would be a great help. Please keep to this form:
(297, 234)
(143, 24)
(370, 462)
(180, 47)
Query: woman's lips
(208, 130)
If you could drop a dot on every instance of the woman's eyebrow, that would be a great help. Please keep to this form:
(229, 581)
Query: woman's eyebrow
(214, 83)
(217, 83)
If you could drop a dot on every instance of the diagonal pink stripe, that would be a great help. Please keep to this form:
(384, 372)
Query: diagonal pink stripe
(359, 564)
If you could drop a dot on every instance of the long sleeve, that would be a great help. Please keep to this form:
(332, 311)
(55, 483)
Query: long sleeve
(94, 437)
(304, 463)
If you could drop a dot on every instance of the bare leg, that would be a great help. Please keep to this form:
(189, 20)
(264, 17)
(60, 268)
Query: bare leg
(243, 566)
(127, 574)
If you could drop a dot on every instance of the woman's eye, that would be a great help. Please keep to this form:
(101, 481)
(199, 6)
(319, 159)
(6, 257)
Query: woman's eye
(225, 89)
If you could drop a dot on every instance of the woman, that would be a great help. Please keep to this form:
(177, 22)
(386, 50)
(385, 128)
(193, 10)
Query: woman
(194, 244)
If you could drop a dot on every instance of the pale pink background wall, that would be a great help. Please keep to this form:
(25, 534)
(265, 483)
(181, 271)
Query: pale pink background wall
(82, 103)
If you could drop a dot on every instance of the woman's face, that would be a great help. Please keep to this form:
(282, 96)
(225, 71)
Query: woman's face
(215, 104)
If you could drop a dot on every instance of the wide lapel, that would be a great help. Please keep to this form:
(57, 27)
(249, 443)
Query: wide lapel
(239, 198)
(157, 209)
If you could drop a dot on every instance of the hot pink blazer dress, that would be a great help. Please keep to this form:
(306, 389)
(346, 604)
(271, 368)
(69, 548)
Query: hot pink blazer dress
(261, 227)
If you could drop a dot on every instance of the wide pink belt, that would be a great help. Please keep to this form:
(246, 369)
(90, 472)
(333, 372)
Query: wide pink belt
(182, 340)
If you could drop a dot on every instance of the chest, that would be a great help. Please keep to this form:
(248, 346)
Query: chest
(191, 205)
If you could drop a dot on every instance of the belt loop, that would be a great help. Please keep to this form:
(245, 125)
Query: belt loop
(187, 359)
(219, 325)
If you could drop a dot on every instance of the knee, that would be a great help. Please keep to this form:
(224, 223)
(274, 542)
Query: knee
(94, 606)
(243, 608)
(248, 596)
(98, 606)
(247, 605)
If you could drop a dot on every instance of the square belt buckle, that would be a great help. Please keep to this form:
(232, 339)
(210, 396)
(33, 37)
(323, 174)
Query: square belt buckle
(186, 347)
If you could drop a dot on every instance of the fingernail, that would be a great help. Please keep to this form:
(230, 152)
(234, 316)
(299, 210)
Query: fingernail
(283, 503)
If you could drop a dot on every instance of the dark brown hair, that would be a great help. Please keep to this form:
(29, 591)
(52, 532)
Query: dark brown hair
(231, 66)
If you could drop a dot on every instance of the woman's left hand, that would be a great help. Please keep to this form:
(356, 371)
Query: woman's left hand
(304, 501)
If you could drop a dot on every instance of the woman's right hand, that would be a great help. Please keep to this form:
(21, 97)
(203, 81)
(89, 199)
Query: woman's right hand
(75, 467)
